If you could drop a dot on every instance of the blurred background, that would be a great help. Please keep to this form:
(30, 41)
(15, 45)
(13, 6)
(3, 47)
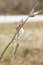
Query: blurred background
(30, 50)
(15, 7)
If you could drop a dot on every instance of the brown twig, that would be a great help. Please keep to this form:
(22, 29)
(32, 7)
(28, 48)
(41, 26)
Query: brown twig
(30, 14)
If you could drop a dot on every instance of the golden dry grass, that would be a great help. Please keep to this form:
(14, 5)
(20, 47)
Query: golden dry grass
(30, 50)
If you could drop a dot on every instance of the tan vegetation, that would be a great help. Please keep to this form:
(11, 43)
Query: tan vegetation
(30, 50)
(18, 6)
